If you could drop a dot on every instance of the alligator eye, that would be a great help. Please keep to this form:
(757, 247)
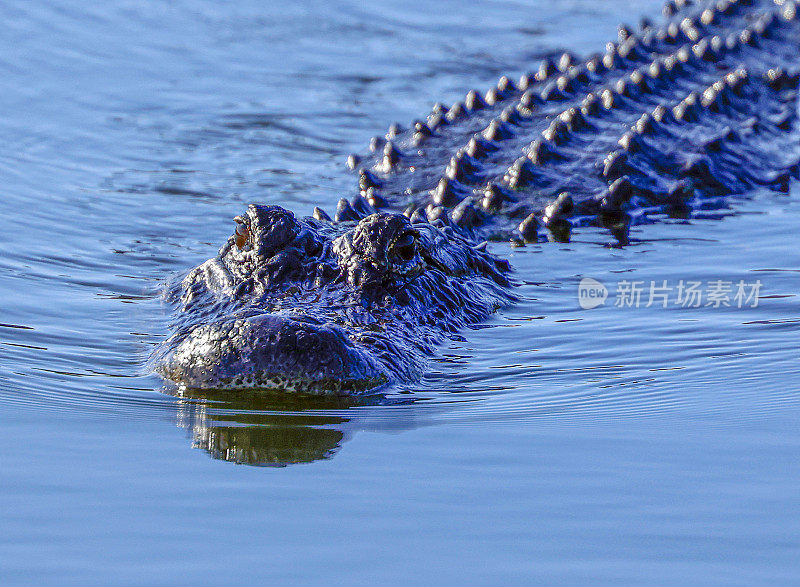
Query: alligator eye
(406, 247)
(242, 233)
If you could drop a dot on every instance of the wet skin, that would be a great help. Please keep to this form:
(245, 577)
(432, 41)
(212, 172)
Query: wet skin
(670, 119)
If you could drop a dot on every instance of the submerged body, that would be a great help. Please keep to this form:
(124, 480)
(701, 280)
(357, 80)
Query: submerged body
(667, 120)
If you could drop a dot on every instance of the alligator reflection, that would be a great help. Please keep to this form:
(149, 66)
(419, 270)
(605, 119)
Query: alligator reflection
(264, 428)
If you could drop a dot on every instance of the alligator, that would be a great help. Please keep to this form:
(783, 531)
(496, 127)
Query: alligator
(670, 121)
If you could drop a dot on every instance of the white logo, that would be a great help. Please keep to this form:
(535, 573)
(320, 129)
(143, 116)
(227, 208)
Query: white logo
(591, 293)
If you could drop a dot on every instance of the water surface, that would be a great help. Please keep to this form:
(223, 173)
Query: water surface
(643, 444)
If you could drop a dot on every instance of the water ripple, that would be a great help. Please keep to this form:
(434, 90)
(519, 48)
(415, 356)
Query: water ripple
(142, 129)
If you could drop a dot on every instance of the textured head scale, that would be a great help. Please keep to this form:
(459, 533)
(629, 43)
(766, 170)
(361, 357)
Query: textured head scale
(381, 248)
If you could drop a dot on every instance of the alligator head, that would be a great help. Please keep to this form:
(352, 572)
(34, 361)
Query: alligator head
(318, 306)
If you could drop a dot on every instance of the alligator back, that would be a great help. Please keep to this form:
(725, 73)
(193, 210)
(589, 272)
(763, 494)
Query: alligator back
(699, 107)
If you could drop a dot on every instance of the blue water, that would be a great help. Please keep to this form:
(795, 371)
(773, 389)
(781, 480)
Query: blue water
(554, 444)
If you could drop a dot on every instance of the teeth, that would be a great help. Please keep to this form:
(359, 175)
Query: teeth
(465, 215)
(615, 165)
(422, 128)
(748, 37)
(375, 199)
(439, 109)
(686, 111)
(574, 119)
(623, 88)
(684, 54)
(663, 114)
(672, 65)
(557, 132)
(564, 84)
(391, 156)
(612, 61)
(724, 7)
(437, 120)
(511, 115)
(710, 98)
(367, 180)
(630, 50)
(497, 131)
(655, 70)
(541, 151)
(630, 142)
(638, 81)
(493, 197)
(445, 193)
(437, 213)
(478, 147)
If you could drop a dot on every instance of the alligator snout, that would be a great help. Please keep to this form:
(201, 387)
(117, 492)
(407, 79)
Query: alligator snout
(271, 351)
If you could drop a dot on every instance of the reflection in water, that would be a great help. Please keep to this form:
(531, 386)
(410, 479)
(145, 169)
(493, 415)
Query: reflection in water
(559, 231)
(619, 225)
(265, 428)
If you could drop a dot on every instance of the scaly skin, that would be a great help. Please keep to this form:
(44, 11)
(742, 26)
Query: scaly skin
(320, 307)
(667, 120)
